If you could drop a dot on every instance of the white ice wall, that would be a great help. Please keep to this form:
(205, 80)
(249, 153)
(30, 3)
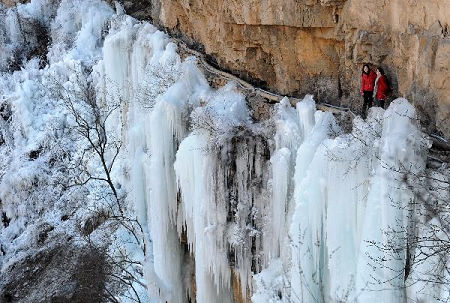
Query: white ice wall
(329, 191)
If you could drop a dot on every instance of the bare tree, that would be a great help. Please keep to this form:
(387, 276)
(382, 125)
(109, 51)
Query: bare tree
(90, 116)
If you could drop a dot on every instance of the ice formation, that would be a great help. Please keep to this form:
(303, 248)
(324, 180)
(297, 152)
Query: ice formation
(287, 210)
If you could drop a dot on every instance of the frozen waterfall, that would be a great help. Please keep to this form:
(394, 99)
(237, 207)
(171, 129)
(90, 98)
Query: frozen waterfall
(292, 209)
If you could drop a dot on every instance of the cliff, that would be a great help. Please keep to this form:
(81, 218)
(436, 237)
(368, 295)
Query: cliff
(319, 46)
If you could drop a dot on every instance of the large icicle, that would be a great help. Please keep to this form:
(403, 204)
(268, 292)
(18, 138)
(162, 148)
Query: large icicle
(380, 274)
(166, 131)
(309, 260)
(204, 217)
(202, 181)
(346, 187)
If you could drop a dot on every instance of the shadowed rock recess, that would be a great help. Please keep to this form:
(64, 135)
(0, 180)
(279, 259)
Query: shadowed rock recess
(318, 46)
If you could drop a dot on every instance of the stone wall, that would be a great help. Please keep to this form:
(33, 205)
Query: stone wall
(410, 40)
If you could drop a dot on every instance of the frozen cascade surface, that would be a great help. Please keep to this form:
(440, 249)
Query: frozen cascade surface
(284, 210)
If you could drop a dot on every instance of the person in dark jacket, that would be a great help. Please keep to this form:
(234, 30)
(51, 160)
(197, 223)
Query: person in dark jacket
(381, 88)
(367, 85)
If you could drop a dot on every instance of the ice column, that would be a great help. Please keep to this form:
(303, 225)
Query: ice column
(167, 128)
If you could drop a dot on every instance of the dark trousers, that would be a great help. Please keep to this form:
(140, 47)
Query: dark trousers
(368, 102)
(380, 103)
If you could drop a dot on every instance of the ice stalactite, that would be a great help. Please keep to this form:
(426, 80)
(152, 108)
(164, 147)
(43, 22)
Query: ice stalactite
(204, 176)
(150, 123)
(306, 112)
(281, 165)
(167, 128)
(204, 219)
(162, 205)
(116, 72)
(347, 181)
(248, 232)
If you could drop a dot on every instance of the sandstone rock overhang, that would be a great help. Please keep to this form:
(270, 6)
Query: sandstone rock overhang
(318, 46)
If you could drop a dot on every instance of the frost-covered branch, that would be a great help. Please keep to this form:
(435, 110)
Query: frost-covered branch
(90, 116)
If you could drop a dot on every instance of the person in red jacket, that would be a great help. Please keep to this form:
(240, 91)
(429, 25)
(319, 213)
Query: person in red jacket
(381, 88)
(367, 85)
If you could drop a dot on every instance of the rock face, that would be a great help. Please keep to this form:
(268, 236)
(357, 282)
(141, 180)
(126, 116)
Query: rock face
(58, 273)
(318, 46)
(10, 3)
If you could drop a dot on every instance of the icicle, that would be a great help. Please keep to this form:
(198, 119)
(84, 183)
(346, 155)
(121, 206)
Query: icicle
(288, 133)
(132, 55)
(347, 187)
(195, 174)
(288, 137)
(309, 260)
(280, 185)
(166, 130)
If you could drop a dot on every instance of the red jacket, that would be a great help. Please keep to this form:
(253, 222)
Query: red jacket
(368, 82)
(383, 88)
